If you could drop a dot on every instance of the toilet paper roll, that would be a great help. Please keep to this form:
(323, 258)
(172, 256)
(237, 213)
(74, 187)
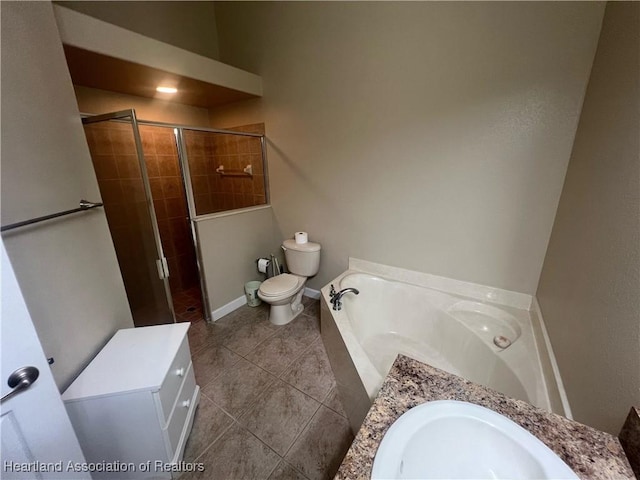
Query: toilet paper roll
(301, 237)
(263, 264)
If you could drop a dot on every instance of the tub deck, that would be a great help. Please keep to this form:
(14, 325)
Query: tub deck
(590, 453)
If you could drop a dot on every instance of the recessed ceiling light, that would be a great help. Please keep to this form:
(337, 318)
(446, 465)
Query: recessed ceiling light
(166, 89)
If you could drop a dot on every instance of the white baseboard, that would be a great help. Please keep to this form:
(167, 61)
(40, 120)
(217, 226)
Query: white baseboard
(218, 313)
(226, 309)
(311, 293)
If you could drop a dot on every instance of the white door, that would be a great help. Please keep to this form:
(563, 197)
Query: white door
(37, 435)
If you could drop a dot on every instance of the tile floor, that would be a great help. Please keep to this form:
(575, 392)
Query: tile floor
(187, 304)
(269, 407)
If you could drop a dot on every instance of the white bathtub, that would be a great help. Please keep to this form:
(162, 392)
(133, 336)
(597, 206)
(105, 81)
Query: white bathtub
(452, 332)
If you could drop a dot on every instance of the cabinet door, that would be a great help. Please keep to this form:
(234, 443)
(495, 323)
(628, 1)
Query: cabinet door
(183, 407)
(174, 380)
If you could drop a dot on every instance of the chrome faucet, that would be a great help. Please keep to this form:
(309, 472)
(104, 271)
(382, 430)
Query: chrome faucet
(336, 297)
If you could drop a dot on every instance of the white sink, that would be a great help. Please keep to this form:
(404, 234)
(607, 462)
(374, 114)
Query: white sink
(455, 440)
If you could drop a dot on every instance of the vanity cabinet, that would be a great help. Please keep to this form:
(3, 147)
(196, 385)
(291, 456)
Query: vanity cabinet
(135, 402)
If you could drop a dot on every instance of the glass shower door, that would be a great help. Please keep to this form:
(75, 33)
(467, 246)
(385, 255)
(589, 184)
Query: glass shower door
(118, 159)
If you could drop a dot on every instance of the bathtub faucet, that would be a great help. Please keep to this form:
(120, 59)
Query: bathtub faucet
(336, 297)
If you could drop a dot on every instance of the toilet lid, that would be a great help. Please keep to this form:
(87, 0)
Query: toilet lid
(279, 285)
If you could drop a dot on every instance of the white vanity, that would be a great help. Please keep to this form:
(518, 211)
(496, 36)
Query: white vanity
(136, 400)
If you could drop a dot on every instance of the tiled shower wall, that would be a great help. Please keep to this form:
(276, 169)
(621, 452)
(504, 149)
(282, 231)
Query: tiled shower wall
(115, 162)
(116, 165)
(214, 192)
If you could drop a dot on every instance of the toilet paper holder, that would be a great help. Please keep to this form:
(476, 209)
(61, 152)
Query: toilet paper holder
(270, 267)
(262, 264)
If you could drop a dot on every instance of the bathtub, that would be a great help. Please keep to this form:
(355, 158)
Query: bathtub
(484, 342)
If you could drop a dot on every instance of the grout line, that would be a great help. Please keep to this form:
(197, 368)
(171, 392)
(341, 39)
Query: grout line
(205, 344)
(222, 371)
(303, 392)
(266, 445)
(255, 403)
(298, 389)
(296, 469)
(275, 466)
(306, 349)
(277, 331)
(236, 422)
(302, 430)
(287, 369)
(327, 395)
(221, 408)
(259, 394)
(272, 385)
(225, 430)
(257, 398)
(244, 355)
(333, 409)
(207, 397)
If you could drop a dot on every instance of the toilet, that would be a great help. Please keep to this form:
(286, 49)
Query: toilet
(284, 292)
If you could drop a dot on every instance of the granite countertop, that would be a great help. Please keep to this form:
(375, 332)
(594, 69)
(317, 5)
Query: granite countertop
(590, 453)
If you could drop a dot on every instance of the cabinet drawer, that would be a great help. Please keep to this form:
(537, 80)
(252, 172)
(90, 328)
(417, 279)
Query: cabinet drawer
(180, 412)
(175, 376)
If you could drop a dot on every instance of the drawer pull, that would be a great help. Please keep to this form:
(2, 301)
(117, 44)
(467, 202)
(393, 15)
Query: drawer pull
(186, 403)
(180, 372)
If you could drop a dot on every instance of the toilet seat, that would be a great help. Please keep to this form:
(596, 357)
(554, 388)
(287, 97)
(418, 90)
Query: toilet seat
(279, 285)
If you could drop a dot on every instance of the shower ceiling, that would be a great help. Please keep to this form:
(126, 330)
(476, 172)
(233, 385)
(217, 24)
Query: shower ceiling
(91, 69)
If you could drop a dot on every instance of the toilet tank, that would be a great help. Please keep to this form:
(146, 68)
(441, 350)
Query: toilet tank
(302, 258)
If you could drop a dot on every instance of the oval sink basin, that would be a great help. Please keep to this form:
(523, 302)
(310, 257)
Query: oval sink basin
(456, 440)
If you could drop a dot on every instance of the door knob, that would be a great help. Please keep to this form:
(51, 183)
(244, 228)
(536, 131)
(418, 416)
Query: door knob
(20, 380)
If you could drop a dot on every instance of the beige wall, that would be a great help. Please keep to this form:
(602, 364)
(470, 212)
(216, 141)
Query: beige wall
(427, 135)
(66, 268)
(590, 283)
(93, 100)
(188, 25)
(239, 239)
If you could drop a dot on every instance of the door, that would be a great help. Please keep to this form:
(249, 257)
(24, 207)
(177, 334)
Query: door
(34, 424)
(116, 151)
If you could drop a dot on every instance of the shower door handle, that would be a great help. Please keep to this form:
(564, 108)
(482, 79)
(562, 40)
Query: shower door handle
(163, 268)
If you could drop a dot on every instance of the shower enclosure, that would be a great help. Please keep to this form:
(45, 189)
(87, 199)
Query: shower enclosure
(157, 180)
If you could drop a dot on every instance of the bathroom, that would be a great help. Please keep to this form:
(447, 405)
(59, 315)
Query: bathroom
(384, 146)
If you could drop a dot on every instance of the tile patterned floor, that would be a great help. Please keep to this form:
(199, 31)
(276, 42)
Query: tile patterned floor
(187, 304)
(269, 407)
